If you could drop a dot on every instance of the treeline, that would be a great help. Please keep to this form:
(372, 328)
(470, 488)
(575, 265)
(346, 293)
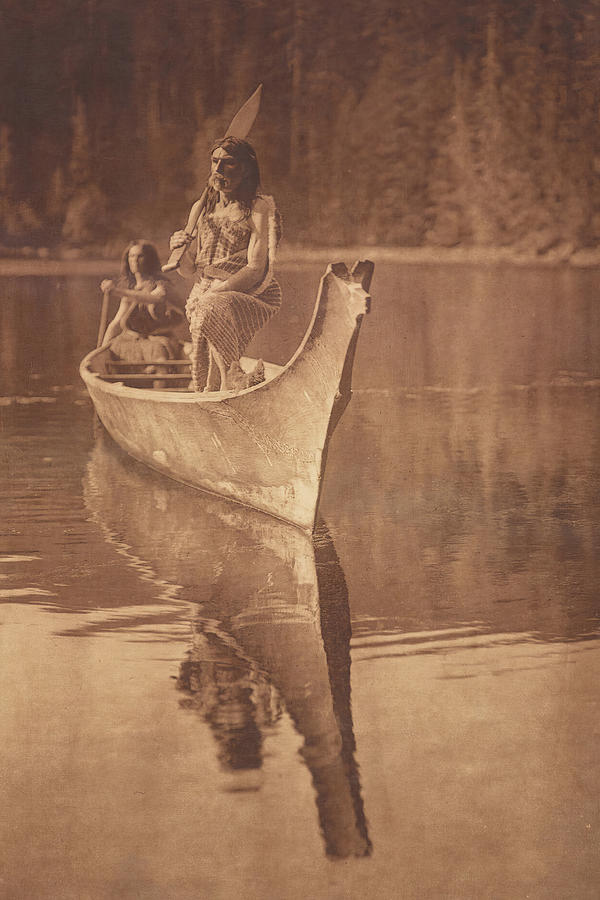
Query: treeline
(471, 122)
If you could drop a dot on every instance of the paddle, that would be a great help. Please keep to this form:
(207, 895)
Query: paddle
(103, 317)
(239, 127)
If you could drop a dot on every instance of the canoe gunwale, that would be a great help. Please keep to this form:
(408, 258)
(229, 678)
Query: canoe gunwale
(157, 394)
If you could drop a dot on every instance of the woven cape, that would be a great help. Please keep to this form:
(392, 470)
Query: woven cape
(229, 319)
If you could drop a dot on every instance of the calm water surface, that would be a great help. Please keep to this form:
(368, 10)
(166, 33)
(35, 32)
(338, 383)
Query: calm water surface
(198, 701)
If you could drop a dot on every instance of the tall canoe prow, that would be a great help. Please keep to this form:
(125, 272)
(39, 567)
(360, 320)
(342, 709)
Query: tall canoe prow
(266, 446)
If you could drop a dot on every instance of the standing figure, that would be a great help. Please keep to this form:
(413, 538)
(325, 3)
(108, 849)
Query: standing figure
(235, 292)
(148, 323)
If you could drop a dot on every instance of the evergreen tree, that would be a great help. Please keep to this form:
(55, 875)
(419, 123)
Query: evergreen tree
(455, 122)
(86, 217)
(17, 217)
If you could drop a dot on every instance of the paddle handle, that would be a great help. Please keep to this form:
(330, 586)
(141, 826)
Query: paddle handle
(103, 317)
(239, 127)
(192, 222)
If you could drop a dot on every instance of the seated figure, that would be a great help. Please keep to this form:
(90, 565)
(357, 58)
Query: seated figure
(148, 325)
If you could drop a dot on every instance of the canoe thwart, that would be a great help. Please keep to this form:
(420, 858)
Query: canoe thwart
(145, 376)
(122, 363)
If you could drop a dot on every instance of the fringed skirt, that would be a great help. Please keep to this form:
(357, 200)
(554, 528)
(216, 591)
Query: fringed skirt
(228, 321)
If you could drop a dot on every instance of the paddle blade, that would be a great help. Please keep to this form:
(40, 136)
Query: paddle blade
(243, 120)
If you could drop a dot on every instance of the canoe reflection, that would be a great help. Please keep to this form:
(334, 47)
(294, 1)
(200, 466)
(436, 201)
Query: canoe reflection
(271, 631)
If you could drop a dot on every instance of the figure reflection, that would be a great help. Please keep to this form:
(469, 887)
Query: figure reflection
(272, 628)
(233, 698)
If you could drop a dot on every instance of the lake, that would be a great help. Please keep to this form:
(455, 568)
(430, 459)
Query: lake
(199, 701)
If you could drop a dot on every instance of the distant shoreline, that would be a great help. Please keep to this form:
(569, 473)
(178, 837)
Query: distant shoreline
(75, 264)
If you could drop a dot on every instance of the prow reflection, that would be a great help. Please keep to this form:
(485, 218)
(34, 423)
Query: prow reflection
(271, 632)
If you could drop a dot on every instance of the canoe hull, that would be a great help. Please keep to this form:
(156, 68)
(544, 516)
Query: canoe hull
(264, 447)
(215, 447)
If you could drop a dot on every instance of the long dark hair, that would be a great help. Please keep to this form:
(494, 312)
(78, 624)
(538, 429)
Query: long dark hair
(244, 153)
(150, 267)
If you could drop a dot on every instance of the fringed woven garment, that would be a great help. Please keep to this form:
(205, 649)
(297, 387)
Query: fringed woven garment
(228, 320)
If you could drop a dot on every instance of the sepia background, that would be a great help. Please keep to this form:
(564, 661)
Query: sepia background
(437, 123)
(196, 700)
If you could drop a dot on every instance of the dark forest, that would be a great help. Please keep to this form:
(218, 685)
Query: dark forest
(440, 123)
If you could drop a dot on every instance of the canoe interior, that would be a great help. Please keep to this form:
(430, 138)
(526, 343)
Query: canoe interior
(172, 374)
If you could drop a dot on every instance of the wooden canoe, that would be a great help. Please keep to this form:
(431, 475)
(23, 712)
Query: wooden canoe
(266, 446)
